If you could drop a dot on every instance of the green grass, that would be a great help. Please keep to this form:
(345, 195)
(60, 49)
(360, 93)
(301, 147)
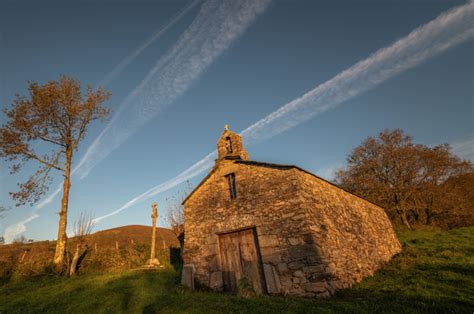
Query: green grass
(434, 273)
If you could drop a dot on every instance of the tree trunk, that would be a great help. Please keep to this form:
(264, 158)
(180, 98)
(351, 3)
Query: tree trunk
(75, 259)
(415, 214)
(62, 236)
(403, 216)
(429, 216)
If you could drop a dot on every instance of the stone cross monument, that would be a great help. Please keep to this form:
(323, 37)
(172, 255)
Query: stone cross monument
(153, 260)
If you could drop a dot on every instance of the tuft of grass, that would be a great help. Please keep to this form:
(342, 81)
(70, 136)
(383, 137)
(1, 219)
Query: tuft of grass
(433, 274)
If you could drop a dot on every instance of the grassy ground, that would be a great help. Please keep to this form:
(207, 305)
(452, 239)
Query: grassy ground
(434, 273)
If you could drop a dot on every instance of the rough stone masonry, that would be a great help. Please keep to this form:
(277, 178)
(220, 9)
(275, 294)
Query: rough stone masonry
(280, 228)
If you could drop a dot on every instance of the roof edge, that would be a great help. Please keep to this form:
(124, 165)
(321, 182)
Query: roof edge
(272, 165)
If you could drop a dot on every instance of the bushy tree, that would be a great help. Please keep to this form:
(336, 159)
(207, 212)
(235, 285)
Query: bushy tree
(409, 180)
(58, 115)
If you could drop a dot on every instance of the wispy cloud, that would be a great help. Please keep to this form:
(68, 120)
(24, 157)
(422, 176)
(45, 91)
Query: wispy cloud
(50, 198)
(113, 74)
(217, 26)
(122, 65)
(447, 30)
(12, 231)
(132, 56)
(429, 40)
(464, 148)
(191, 172)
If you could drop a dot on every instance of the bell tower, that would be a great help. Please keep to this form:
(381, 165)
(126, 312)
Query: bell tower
(230, 146)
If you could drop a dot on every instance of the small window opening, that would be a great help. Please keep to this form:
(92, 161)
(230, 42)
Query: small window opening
(231, 184)
(228, 144)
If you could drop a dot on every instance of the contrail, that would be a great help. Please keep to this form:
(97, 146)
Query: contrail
(127, 60)
(218, 24)
(50, 198)
(429, 40)
(191, 172)
(122, 65)
(447, 30)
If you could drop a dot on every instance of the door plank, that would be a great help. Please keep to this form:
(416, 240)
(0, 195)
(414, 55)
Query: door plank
(240, 259)
(249, 259)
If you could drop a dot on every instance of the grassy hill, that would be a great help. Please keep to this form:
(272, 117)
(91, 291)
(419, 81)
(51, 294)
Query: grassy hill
(433, 274)
(113, 249)
(139, 234)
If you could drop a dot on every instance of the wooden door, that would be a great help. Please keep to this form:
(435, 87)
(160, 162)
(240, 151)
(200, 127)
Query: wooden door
(240, 259)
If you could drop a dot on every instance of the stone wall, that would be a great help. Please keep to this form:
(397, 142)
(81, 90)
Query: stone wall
(351, 236)
(313, 237)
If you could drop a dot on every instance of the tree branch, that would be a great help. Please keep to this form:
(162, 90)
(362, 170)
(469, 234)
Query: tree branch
(51, 141)
(50, 165)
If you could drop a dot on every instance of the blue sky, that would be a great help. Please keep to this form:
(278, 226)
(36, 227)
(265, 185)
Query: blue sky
(233, 63)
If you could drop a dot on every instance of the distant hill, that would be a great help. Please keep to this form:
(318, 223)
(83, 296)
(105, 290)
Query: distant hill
(136, 233)
(118, 248)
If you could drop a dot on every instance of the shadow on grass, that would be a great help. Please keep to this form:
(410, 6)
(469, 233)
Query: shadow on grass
(433, 275)
(155, 292)
(382, 303)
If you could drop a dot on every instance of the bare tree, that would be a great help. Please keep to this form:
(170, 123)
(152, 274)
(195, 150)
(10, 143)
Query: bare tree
(57, 115)
(405, 178)
(175, 209)
(82, 227)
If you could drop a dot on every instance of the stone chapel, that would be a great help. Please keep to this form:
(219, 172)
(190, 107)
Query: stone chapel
(281, 228)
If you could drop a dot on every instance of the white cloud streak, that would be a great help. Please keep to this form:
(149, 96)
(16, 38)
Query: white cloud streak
(429, 40)
(217, 26)
(105, 81)
(12, 231)
(447, 30)
(121, 66)
(50, 198)
(132, 56)
(191, 172)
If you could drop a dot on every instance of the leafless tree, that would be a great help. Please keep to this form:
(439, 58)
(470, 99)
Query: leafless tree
(82, 227)
(175, 209)
(56, 114)
(20, 239)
